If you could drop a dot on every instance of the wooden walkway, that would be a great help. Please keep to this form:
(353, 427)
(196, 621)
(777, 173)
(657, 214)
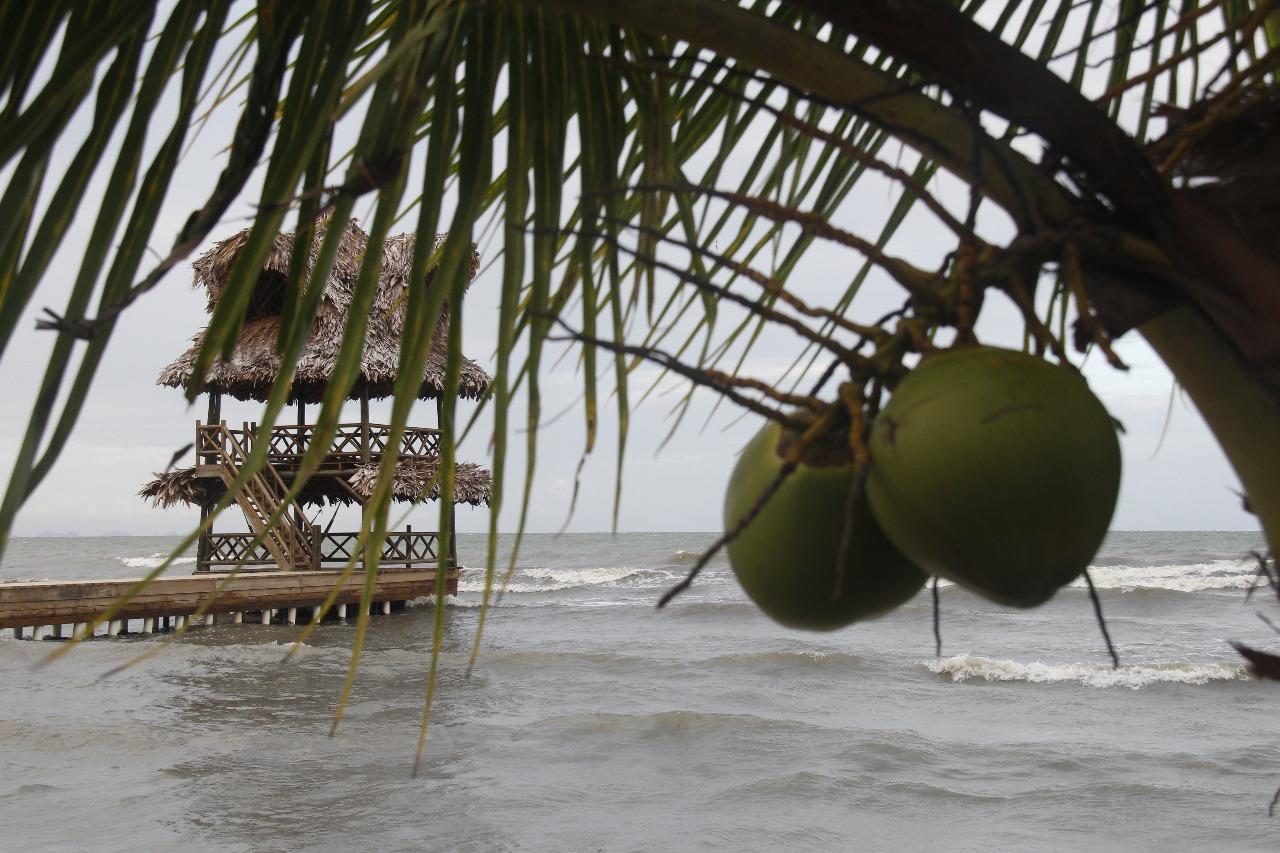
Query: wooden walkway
(57, 608)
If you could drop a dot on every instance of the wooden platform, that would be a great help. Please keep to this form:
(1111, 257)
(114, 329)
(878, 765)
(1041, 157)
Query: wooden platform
(276, 594)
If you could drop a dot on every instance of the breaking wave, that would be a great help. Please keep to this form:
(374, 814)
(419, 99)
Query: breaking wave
(1137, 676)
(1192, 577)
(154, 561)
(541, 579)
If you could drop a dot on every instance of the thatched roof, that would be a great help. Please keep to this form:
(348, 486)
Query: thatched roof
(253, 366)
(473, 485)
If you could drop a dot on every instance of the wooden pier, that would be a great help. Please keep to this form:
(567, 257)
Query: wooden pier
(55, 609)
(288, 561)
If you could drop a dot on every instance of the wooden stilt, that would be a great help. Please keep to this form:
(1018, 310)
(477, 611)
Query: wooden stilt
(37, 632)
(266, 617)
(57, 631)
(291, 616)
(386, 608)
(149, 625)
(179, 622)
(237, 618)
(113, 628)
(315, 613)
(342, 611)
(78, 628)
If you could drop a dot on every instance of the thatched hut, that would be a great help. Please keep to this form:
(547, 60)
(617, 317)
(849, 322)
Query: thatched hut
(350, 469)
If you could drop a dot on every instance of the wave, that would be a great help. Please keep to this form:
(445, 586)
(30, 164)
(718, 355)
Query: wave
(152, 562)
(1137, 676)
(1190, 577)
(547, 579)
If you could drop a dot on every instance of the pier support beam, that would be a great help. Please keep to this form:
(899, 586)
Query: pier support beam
(291, 616)
(386, 608)
(37, 632)
(237, 618)
(342, 611)
(315, 613)
(149, 625)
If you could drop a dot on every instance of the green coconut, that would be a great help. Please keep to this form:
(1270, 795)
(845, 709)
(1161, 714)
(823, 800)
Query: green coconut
(785, 559)
(997, 470)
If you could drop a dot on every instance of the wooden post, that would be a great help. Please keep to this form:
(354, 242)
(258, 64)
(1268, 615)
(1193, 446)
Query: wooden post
(453, 537)
(215, 407)
(202, 544)
(364, 423)
(300, 447)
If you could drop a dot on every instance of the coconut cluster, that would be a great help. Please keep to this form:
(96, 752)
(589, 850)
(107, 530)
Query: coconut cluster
(991, 468)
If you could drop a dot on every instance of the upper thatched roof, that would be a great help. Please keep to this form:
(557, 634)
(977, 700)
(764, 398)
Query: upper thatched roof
(472, 485)
(253, 365)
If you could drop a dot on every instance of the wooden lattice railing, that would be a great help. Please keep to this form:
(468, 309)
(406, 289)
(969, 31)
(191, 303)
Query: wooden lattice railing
(404, 549)
(351, 443)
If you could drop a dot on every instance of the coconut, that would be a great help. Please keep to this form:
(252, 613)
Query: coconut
(786, 559)
(997, 470)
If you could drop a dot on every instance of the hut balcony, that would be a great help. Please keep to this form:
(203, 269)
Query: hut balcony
(352, 445)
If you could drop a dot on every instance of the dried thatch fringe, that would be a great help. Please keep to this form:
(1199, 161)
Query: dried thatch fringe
(473, 485)
(254, 364)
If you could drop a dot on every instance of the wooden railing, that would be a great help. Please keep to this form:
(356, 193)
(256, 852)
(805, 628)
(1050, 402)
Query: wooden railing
(403, 549)
(351, 443)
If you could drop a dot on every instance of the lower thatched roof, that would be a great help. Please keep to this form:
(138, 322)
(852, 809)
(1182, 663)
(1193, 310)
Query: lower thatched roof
(473, 485)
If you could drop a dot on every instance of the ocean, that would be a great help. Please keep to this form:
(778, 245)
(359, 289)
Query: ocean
(593, 721)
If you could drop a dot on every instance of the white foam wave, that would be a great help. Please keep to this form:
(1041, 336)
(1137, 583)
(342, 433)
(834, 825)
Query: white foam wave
(514, 588)
(475, 603)
(602, 576)
(1137, 676)
(152, 562)
(554, 580)
(1192, 577)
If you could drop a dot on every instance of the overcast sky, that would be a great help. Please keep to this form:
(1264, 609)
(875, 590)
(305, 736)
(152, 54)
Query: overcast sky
(1175, 477)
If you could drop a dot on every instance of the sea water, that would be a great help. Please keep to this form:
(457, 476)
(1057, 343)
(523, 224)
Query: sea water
(593, 721)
